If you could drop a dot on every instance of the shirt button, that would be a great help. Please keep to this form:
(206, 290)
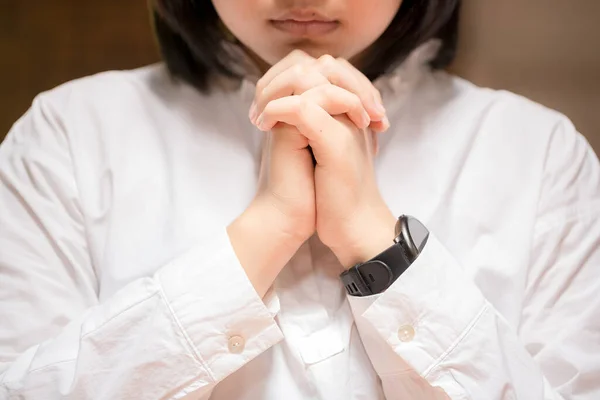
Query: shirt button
(236, 344)
(406, 333)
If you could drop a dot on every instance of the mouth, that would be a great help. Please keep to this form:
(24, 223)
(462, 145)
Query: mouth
(304, 23)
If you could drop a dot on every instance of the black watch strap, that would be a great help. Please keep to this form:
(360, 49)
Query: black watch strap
(377, 274)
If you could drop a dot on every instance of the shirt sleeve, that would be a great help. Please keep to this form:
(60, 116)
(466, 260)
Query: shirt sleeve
(187, 327)
(434, 319)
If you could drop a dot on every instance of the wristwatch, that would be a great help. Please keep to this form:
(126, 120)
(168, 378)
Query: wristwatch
(377, 274)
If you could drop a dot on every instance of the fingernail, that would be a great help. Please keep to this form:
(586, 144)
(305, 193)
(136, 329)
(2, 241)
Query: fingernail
(378, 106)
(386, 122)
(259, 121)
(366, 119)
(252, 112)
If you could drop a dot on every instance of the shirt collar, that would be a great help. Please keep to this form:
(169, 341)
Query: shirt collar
(408, 73)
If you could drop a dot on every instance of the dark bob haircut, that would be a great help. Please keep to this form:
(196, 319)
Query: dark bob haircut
(191, 37)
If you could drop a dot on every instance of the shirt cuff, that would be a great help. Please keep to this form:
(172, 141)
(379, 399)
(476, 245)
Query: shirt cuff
(221, 316)
(422, 316)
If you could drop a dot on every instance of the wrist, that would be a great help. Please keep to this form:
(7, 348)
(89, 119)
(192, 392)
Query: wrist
(367, 238)
(263, 244)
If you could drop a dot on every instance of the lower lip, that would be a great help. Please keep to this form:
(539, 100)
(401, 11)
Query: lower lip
(305, 28)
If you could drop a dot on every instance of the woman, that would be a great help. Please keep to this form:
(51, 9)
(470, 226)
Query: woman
(155, 243)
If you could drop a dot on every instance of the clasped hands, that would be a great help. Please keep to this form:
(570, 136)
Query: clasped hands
(328, 107)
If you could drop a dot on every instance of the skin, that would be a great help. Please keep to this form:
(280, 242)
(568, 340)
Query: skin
(311, 97)
(360, 24)
(338, 197)
(297, 198)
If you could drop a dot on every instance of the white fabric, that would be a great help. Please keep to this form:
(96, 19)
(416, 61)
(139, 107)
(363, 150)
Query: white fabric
(118, 281)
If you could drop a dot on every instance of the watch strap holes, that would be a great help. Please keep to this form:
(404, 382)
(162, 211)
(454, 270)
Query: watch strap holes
(352, 289)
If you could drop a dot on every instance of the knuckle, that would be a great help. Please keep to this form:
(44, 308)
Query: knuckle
(268, 109)
(330, 67)
(264, 92)
(298, 54)
(327, 59)
(303, 106)
(355, 101)
(303, 109)
(333, 92)
(342, 61)
(328, 90)
(298, 70)
(327, 62)
(260, 85)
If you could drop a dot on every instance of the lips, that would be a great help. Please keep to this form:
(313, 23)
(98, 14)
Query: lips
(304, 23)
(305, 28)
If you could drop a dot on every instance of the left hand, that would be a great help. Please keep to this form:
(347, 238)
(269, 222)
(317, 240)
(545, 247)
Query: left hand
(351, 217)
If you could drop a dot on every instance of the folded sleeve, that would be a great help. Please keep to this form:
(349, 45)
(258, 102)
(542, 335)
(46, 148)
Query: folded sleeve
(181, 330)
(435, 321)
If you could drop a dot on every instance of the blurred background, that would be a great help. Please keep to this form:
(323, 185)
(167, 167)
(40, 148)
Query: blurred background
(547, 50)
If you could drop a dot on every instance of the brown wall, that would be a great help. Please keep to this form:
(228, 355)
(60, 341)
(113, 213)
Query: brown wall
(44, 43)
(548, 50)
(545, 49)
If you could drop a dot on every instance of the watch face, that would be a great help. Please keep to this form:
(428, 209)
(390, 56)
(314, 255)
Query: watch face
(418, 233)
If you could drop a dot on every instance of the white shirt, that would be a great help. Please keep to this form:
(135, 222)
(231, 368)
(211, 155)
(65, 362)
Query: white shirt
(118, 280)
